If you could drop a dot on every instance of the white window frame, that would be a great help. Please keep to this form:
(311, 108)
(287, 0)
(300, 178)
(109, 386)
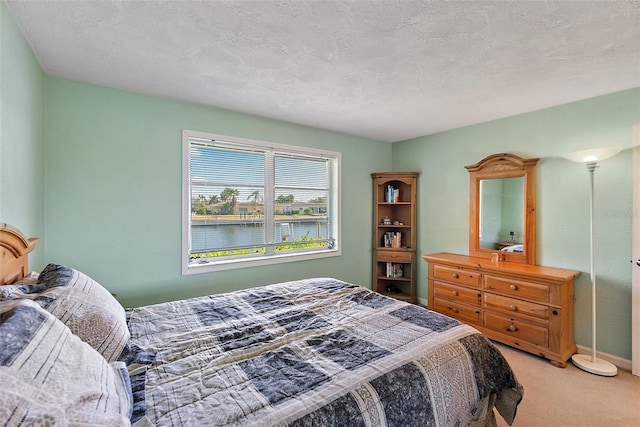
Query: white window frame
(227, 264)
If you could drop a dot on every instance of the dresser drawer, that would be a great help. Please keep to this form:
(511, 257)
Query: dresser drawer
(458, 311)
(389, 256)
(517, 328)
(532, 311)
(457, 293)
(515, 306)
(456, 275)
(517, 288)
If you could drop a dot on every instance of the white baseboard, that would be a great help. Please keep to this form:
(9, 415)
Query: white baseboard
(618, 361)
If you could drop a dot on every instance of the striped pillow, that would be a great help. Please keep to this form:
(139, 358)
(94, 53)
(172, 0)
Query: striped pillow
(50, 377)
(88, 309)
(81, 303)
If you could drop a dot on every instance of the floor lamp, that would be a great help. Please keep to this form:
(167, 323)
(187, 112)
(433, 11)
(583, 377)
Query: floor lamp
(587, 362)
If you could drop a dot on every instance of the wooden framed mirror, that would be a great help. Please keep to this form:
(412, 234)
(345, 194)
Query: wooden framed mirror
(502, 209)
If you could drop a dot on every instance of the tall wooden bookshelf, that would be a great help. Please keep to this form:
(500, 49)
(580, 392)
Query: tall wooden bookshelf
(394, 234)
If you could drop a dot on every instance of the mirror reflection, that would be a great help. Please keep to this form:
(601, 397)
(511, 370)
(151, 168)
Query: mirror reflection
(502, 208)
(501, 223)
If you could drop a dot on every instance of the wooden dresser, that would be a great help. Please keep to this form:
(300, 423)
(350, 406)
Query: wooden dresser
(529, 307)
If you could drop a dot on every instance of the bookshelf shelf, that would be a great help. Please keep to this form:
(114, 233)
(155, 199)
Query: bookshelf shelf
(398, 279)
(394, 234)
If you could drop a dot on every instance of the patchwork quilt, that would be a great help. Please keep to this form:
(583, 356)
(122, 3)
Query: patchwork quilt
(316, 352)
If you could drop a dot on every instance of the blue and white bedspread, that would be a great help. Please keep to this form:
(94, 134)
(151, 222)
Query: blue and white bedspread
(315, 352)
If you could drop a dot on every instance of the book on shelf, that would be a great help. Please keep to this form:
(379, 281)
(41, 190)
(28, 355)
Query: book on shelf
(392, 195)
(394, 270)
(392, 239)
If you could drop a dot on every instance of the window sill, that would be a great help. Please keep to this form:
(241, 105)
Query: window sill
(231, 264)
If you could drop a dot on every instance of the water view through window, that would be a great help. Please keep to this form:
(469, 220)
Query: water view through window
(254, 201)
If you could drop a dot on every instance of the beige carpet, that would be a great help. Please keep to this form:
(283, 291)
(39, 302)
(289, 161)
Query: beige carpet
(571, 397)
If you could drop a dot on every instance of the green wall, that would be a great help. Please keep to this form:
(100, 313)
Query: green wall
(562, 199)
(512, 209)
(114, 191)
(491, 208)
(22, 87)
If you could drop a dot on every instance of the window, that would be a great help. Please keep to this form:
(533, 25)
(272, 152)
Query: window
(248, 202)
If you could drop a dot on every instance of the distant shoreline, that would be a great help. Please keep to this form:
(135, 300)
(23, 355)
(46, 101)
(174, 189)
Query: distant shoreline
(251, 219)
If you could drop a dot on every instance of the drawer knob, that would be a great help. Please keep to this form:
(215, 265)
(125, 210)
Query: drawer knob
(513, 308)
(512, 328)
(513, 287)
(455, 275)
(453, 309)
(455, 293)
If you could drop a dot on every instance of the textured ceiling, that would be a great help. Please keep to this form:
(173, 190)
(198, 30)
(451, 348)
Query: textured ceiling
(386, 70)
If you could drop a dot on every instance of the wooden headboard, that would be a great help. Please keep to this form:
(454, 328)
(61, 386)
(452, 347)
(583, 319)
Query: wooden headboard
(14, 254)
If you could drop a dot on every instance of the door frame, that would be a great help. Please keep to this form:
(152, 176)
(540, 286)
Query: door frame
(635, 253)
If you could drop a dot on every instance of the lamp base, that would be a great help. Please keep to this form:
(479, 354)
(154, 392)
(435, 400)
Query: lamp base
(597, 366)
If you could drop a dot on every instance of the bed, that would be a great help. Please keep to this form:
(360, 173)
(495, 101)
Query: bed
(313, 352)
(513, 248)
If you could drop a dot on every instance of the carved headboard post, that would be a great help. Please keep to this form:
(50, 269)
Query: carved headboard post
(14, 253)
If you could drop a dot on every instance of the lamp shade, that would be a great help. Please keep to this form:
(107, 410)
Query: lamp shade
(593, 155)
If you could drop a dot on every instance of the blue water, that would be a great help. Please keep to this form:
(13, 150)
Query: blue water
(220, 234)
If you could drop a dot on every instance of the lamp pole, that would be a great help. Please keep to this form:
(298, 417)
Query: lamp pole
(591, 167)
(591, 363)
